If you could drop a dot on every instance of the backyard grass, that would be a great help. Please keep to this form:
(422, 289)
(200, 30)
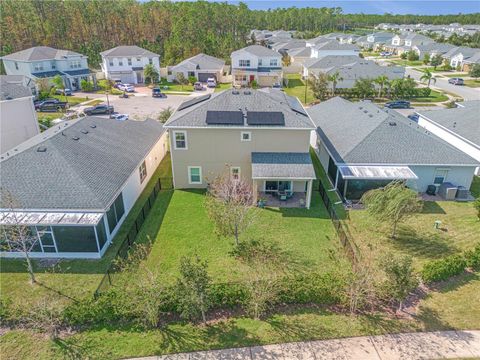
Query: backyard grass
(72, 100)
(475, 188)
(402, 62)
(472, 83)
(296, 87)
(435, 96)
(223, 86)
(74, 278)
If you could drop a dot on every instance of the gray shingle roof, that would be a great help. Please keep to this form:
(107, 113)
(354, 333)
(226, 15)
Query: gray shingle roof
(9, 91)
(200, 62)
(362, 133)
(462, 121)
(274, 101)
(38, 53)
(127, 50)
(367, 69)
(300, 52)
(335, 45)
(83, 174)
(258, 50)
(285, 165)
(329, 61)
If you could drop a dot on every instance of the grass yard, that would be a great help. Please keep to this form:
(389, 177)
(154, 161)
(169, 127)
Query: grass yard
(456, 74)
(172, 86)
(223, 86)
(402, 62)
(75, 278)
(72, 100)
(435, 96)
(472, 83)
(296, 87)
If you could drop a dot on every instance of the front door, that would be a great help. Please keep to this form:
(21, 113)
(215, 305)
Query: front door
(139, 77)
(252, 78)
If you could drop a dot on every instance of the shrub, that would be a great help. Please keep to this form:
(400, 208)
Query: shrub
(86, 85)
(472, 258)
(192, 80)
(412, 56)
(442, 269)
(423, 92)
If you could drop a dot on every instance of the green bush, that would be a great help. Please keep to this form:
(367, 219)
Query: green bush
(473, 258)
(423, 92)
(86, 85)
(442, 269)
(227, 295)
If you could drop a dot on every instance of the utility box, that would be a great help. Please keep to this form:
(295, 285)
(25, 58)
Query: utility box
(448, 191)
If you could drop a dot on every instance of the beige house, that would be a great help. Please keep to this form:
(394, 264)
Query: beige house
(262, 136)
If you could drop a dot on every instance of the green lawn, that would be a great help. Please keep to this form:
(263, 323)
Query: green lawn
(402, 62)
(435, 96)
(456, 74)
(172, 86)
(472, 83)
(296, 87)
(223, 86)
(75, 278)
(72, 100)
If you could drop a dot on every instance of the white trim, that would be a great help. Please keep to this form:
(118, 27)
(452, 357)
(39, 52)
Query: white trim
(190, 176)
(175, 139)
(238, 127)
(283, 178)
(249, 136)
(42, 255)
(446, 171)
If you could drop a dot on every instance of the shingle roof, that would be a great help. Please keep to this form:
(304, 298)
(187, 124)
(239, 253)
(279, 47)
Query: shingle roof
(330, 61)
(128, 50)
(200, 62)
(232, 100)
(10, 91)
(361, 133)
(465, 51)
(258, 50)
(434, 47)
(300, 52)
(285, 165)
(462, 121)
(38, 53)
(335, 45)
(368, 69)
(83, 174)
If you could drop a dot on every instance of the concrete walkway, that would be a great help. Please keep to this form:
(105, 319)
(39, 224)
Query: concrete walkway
(431, 345)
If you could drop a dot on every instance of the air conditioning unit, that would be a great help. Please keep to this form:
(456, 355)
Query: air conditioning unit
(462, 193)
(448, 191)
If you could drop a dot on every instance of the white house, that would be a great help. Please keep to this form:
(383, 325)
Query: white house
(257, 63)
(74, 184)
(462, 57)
(201, 66)
(126, 63)
(18, 118)
(459, 127)
(334, 47)
(43, 62)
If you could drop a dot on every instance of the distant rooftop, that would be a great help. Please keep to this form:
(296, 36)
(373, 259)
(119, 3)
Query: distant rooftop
(38, 53)
(128, 50)
(10, 91)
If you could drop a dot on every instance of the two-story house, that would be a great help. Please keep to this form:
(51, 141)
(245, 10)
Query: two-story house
(261, 136)
(462, 57)
(43, 62)
(256, 63)
(378, 39)
(334, 47)
(126, 63)
(407, 41)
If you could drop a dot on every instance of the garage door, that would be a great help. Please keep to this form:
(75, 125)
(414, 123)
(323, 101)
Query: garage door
(202, 77)
(266, 80)
(124, 78)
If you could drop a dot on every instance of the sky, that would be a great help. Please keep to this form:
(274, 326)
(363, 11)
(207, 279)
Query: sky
(419, 7)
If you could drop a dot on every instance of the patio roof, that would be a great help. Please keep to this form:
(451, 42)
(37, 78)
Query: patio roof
(50, 218)
(282, 165)
(377, 172)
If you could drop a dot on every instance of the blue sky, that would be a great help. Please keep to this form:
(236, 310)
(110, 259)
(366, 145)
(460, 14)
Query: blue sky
(420, 7)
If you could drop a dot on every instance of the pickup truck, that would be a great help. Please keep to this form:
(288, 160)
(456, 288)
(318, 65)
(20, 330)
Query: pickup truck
(51, 105)
(98, 109)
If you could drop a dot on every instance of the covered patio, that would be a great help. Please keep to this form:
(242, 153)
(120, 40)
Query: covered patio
(283, 179)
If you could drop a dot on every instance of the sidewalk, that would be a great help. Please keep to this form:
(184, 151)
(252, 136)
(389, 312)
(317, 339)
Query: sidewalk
(431, 345)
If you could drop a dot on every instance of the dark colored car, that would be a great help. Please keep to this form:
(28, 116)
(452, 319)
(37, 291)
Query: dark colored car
(98, 110)
(50, 105)
(455, 81)
(399, 104)
(66, 92)
(413, 117)
(156, 92)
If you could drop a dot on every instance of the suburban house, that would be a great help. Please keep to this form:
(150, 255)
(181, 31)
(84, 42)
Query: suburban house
(43, 62)
(298, 57)
(74, 184)
(333, 47)
(256, 63)
(462, 57)
(314, 66)
(20, 80)
(362, 147)
(126, 63)
(432, 49)
(200, 66)
(262, 136)
(284, 46)
(460, 127)
(406, 41)
(375, 40)
(18, 118)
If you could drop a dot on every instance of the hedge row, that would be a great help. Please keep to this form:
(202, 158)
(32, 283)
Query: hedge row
(443, 269)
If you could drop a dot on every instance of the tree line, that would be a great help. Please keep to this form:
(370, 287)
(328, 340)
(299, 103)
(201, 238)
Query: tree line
(175, 30)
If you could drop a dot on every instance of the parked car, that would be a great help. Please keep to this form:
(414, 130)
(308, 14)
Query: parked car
(117, 84)
(51, 105)
(455, 81)
(156, 92)
(67, 92)
(385, 54)
(211, 82)
(126, 87)
(413, 117)
(276, 86)
(198, 86)
(98, 110)
(399, 104)
(119, 117)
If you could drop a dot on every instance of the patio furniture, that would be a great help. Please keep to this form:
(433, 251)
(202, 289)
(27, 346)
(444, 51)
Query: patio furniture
(283, 197)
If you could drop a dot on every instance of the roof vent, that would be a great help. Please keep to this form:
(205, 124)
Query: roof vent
(360, 107)
(392, 123)
(41, 149)
(365, 111)
(83, 131)
(247, 92)
(454, 124)
(75, 138)
(64, 134)
(370, 115)
(93, 126)
(8, 97)
(235, 92)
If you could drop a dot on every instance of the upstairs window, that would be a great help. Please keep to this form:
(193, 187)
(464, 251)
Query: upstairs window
(16, 65)
(138, 59)
(143, 172)
(120, 62)
(129, 60)
(246, 136)
(244, 63)
(38, 66)
(150, 61)
(273, 62)
(75, 64)
(110, 62)
(259, 62)
(53, 65)
(180, 140)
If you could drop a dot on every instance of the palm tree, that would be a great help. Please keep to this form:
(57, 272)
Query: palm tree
(60, 84)
(383, 82)
(428, 76)
(334, 79)
(151, 73)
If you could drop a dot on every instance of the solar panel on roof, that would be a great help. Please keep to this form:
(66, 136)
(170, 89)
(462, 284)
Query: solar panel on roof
(296, 106)
(265, 118)
(194, 101)
(224, 117)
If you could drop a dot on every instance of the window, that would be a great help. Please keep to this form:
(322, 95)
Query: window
(38, 66)
(16, 65)
(194, 175)
(246, 136)
(129, 61)
(110, 62)
(115, 213)
(53, 65)
(273, 62)
(150, 61)
(191, 73)
(180, 140)
(259, 62)
(120, 62)
(240, 78)
(244, 63)
(235, 172)
(143, 172)
(440, 176)
(75, 64)
(138, 59)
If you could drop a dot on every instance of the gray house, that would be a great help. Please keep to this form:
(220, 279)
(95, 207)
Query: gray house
(43, 62)
(201, 66)
(260, 136)
(362, 147)
(74, 184)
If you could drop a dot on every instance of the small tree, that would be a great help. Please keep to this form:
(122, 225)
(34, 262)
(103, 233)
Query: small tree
(401, 278)
(475, 71)
(230, 205)
(476, 205)
(60, 84)
(151, 74)
(426, 59)
(319, 86)
(192, 80)
(286, 60)
(428, 77)
(364, 88)
(165, 114)
(106, 85)
(46, 316)
(392, 204)
(192, 289)
(181, 79)
(382, 81)
(436, 60)
(403, 55)
(334, 79)
(412, 56)
(86, 85)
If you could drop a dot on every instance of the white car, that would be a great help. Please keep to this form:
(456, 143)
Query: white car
(126, 87)
(211, 83)
(119, 117)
